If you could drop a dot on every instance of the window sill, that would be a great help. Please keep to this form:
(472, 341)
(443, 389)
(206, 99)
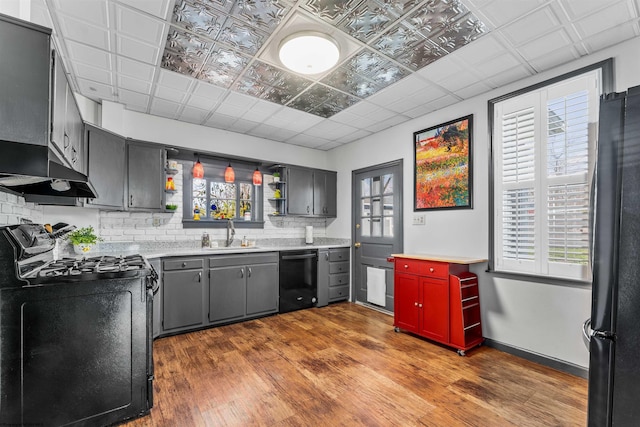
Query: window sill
(189, 223)
(540, 279)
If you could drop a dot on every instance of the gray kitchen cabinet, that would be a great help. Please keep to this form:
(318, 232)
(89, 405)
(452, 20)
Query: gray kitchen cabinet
(145, 176)
(183, 293)
(242, 286)
(324, 193)
(299, 191)
(311, 192)
(323, 277)
(25, 71)
(66, 121)
(339, 261)
(106, 167)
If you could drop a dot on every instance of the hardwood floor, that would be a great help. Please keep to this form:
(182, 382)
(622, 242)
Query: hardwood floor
(343, 365)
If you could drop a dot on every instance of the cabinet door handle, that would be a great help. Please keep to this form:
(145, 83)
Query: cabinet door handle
(184, 264)
(131, 200)
(66, 141)
(415, 303)
(249, 272)
(326, 256)
(307, 209)
(431, 269)
(200, 276)
(406, 266)
(420, 305)
(242, 273)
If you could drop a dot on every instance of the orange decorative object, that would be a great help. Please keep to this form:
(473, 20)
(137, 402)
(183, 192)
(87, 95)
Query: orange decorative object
(170, 185)
(229, 174)
(257, 177)
(198, 170)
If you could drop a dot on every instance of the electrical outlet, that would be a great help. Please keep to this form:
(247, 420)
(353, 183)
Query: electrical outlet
(418, 219)
(156, 222)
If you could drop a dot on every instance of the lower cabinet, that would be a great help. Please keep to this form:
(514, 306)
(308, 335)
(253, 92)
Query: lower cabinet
(182, 294)
(333, 275)
(438, 301)
(242, 286)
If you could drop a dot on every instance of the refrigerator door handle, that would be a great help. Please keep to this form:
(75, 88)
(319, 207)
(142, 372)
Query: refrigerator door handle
(587, 332)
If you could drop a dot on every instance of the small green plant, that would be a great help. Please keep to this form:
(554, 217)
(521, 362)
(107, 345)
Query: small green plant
(171, 207)
(83, 235)
(276, 174)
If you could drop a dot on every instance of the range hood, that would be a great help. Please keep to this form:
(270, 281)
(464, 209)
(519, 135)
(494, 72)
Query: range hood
(32, 169)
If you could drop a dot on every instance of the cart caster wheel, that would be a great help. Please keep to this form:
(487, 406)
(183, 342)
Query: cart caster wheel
(461, 353)
(396, 329)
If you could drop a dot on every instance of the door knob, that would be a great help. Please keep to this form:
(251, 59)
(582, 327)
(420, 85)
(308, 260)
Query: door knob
(357, 245)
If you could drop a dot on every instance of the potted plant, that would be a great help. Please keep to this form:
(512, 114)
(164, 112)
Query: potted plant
(83, 240)
(276, 177)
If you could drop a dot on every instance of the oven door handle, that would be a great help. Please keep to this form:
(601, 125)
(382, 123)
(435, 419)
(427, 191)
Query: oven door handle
(304, 256)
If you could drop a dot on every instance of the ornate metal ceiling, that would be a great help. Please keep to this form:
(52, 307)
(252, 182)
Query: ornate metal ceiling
(223, 43)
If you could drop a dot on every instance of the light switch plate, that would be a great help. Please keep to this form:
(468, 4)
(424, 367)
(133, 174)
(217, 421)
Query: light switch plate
(418, 219)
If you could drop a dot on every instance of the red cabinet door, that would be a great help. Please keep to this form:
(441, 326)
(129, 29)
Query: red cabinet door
(434, 322)
(406, 295)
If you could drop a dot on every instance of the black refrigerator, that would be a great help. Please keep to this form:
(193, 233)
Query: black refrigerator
(614, 345)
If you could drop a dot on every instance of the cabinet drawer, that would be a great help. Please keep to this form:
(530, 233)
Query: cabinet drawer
(341, 254)
(338, 279)
(182, 264)
(435, 269)
(339, 292)
(409, 266)
(338, 267)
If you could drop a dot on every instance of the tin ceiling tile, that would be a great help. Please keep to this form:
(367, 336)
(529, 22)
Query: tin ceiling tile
(265, 15)
(242, 36)
(200, 18)
(330, 11)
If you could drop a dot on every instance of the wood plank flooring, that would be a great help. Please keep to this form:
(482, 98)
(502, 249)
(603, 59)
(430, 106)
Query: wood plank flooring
(343, 365)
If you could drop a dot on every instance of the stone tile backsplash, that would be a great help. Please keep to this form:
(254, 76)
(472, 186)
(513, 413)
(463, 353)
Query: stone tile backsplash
(13, 209)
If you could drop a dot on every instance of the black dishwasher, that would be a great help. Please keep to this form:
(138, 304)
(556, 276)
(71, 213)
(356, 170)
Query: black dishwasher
(298, 279)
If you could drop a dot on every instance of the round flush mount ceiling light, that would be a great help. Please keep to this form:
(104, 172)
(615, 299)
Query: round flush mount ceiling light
(309, 52)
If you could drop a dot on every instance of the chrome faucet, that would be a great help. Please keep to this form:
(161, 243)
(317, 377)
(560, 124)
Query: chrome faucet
(231, 231)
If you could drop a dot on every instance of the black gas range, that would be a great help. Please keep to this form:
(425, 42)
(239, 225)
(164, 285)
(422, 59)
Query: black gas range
(75, 334)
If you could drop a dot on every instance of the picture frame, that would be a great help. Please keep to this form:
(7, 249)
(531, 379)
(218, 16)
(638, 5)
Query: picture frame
(443, 166)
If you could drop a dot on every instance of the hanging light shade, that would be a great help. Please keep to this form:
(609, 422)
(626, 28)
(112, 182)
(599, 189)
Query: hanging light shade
(198, 169)
(257, 177)
(229, 174)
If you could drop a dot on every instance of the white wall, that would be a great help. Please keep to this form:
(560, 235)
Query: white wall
(536, 317)
(180, 134)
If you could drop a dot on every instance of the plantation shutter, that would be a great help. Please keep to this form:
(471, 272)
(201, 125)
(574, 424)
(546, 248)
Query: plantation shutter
(516, 217)
(544, 148)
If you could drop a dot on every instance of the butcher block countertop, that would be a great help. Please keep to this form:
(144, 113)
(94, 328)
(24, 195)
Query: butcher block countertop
(441, 258)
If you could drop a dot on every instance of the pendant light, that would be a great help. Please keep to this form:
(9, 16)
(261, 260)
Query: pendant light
(198, 169)
(229, 174)
(257, 177)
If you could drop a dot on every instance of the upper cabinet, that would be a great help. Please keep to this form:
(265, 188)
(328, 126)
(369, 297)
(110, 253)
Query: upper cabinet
(311, 192)
(145, 173)
(66, 122)
(24, 82)
(127, 174)
(106, 167)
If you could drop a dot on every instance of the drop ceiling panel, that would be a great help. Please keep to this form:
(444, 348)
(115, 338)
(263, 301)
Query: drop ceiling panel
(531, 26)
(131, 98)
(135, 69)
(95, 74)
(193, 115)
(554, 58)
(81, 31)
(501, 12)
(88, 55)
(136, 49)
(95, 90)
(139, 26)
(617, 14)
(221, 121)
(612, 36)
(579, 9)
(93, 11)
(133, 84)
(158, 8)
(541, 46)
(164, 108)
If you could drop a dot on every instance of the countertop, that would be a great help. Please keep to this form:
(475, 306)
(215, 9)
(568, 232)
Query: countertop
(153, 250)
(441, 258)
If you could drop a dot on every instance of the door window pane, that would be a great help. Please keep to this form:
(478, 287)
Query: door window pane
(387, 184)
(388, 226)
(366, 207)
(376, 208)
(365, 228)
(387, 205)
(376, 227)
(365, 187)
(375, 188)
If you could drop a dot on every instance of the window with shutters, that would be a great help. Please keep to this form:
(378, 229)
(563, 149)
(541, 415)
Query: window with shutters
(544, 151)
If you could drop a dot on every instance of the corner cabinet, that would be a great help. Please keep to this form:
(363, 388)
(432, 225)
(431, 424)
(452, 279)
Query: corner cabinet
(438, 298)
